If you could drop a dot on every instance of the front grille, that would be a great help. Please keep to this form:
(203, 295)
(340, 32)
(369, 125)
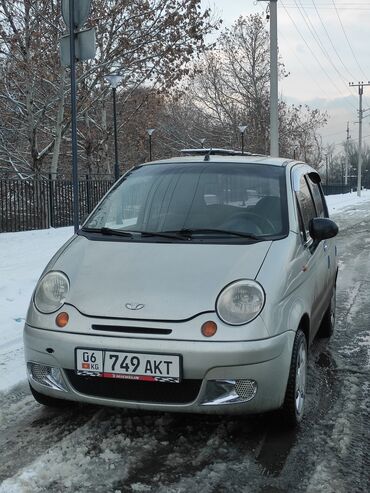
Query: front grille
(128, 390)
(131, 330)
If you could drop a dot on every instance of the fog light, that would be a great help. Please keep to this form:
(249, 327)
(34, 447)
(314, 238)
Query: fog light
(220, 392)
(48, 376)
(62, 319)
(209, 328)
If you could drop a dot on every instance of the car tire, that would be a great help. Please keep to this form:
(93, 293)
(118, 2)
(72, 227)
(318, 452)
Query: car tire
(295, 395)
(48, 401)
(328, 322)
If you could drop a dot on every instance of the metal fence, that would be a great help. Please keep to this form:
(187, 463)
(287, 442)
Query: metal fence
(335, 189)
(45, 203)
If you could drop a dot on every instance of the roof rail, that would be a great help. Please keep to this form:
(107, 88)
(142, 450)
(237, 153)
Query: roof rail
(214, 152)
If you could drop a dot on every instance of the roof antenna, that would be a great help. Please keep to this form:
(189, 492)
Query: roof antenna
(206, 157)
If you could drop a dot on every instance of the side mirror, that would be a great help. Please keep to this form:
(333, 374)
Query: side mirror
(322, 228)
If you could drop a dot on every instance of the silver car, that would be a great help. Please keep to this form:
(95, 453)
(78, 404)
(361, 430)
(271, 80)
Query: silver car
(196, 285)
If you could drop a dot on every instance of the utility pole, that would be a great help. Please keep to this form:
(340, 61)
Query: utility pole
(347, 156)
(274, 95)
(274, 117)
(326, 165)
(76, 220)
(360, 86)
(76, 46)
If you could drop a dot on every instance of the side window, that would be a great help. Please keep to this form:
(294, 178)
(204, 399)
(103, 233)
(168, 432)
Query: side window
(317, 198)
(306, 206)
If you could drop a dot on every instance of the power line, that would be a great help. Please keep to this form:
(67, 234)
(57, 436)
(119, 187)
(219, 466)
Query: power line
(333, 46)
(330, 7)
(349, 44)
(330, 40)
(313, 54)
(307, 71)
(330, 135)
(315, 36)
(342, 142)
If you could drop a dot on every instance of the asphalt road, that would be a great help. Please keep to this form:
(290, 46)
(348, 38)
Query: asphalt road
(107, 450)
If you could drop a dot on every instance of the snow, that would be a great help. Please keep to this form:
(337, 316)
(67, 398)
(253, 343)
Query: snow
(24, 256)
(337, 203)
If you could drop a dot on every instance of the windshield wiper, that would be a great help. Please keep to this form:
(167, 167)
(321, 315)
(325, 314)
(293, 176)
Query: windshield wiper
(132, 234)
(109, 231)
(182, 234)
(209, 231)
(172, 235)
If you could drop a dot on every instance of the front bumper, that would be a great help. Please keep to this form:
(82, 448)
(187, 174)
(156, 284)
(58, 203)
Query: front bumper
(265, 362)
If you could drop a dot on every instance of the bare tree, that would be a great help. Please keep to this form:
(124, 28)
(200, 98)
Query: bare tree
(151, 42)
(230, 86)
(299, 136)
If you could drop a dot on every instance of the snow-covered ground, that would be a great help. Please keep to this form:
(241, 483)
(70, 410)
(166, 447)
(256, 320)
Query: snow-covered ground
(22, 260)
(337, 203)
(23, 257)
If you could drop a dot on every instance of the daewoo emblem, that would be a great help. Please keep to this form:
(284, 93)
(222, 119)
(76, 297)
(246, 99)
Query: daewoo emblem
(134, 306)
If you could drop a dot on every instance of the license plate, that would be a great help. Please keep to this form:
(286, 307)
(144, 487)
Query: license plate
(128, 365)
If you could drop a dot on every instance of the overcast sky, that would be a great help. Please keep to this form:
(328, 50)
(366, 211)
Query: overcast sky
(324, 44)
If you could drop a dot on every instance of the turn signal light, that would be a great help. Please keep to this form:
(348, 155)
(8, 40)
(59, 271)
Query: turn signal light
(209, 328)
(62, 319)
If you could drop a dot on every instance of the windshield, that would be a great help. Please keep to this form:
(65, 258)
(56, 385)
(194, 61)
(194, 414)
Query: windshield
(202, 199)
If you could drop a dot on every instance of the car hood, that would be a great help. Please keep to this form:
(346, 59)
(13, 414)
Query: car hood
(172, 281)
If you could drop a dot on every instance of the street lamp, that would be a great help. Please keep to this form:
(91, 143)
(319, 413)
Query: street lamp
(114, 81)
(150, 133)
(242, 129)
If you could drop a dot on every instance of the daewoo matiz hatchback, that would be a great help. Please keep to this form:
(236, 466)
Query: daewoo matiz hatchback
(196, 285)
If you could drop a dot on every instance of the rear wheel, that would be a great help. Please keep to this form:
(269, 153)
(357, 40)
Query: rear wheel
(48, 401)
(328, 322)
(295, 395)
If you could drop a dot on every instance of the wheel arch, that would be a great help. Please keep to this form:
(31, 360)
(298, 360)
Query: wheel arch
(304, 325)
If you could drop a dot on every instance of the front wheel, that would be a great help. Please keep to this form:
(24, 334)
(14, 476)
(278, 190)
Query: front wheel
(328, 322)
(295, 395)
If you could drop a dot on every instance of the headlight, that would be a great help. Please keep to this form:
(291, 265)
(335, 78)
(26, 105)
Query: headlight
(240, 302)
(51, 292)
